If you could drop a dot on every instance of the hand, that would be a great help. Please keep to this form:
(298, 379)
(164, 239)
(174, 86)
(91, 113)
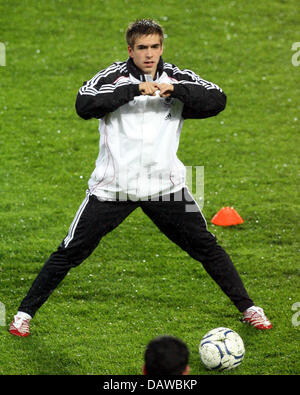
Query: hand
(165, 90)
(148, 88)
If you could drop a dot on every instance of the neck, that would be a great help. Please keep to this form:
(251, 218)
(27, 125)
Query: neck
(139, 74)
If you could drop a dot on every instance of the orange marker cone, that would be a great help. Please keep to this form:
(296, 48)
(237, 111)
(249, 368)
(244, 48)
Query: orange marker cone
(227, 216)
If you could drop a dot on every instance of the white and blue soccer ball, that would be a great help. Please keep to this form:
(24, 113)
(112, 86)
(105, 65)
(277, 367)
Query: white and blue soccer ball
(221, 349)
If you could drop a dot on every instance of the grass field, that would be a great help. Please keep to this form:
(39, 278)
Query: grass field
(138, 285)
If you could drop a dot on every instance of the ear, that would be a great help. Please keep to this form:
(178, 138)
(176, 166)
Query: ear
(144, 370)
(130, 51)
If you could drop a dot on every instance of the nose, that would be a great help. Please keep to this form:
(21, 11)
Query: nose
(149, 53)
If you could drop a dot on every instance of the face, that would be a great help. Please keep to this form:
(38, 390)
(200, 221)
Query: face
(146, 53)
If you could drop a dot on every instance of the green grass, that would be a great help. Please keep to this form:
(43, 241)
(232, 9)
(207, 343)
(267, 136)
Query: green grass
(138, 285)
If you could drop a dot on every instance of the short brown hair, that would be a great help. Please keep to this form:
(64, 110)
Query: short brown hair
(166, 355)
(143, 27)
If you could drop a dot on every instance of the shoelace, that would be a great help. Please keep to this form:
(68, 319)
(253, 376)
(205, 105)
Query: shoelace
(256, 317)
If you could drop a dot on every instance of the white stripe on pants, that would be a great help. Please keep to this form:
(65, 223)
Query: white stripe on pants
(76, 219)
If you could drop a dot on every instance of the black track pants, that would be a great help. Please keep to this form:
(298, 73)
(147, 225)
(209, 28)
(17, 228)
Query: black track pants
(176, 215)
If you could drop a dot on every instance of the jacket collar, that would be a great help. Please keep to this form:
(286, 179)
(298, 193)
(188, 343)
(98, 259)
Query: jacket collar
(138, 74)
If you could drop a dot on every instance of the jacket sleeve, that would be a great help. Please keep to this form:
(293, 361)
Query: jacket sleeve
(104, 93)
(201, 98)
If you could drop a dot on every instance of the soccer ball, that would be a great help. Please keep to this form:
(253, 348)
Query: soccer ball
(221, 349)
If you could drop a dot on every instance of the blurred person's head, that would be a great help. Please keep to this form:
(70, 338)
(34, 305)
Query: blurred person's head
(166, 355)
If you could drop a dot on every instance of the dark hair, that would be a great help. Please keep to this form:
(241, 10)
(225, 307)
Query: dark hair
(166, 355)
(143, 27)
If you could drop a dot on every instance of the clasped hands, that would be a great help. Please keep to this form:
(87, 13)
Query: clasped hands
(149, 88)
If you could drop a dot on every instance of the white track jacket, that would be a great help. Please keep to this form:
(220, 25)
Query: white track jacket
(139, 135)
